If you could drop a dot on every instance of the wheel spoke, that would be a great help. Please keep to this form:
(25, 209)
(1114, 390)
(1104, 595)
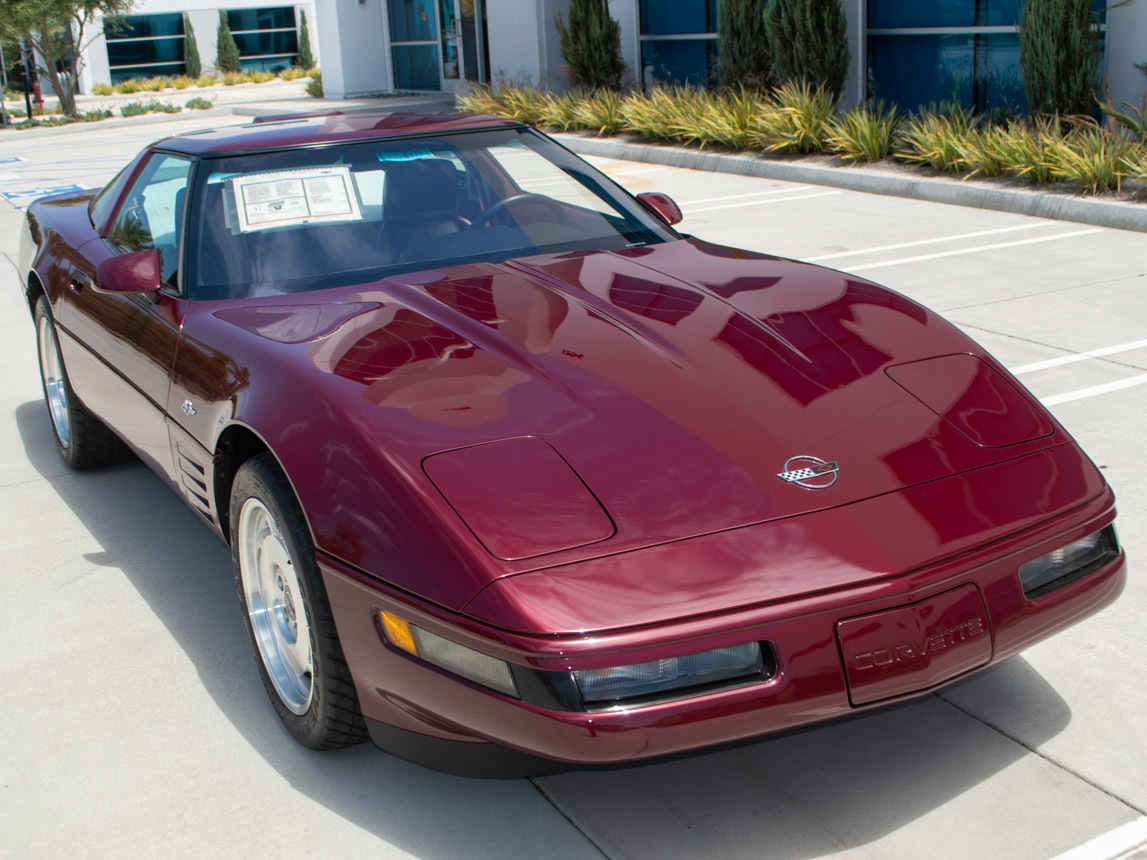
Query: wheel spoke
(55, 386)
(275, 605)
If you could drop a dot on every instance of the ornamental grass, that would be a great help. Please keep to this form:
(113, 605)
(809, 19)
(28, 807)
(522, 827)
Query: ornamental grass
(600, 112)
(797, 119)
(1096, 159)
(936, 137)
(864, 133)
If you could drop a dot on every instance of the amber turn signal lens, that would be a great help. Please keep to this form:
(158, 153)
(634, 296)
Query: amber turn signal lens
(398, 632)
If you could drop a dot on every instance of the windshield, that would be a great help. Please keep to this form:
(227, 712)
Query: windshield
(305, 219)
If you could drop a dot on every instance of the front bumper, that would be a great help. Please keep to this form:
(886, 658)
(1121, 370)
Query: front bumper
(400, 694)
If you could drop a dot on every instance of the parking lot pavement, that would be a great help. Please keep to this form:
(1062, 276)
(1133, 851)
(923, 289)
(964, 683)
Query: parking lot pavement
(138, 724)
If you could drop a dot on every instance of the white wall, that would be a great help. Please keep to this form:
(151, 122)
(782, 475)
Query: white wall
(625, 12)
(353, 42)
(1126, 46)
(855, 85)
(524, 42)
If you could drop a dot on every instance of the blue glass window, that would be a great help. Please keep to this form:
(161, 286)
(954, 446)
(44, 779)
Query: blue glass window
(273, 42)
(276, 18)
(416, 67)
(887, 14)
(142, 46)
(266, 37)
(981, 71)
(668, 17)
(143, 26)
(145, 51)
(412, 21)
(679, 61)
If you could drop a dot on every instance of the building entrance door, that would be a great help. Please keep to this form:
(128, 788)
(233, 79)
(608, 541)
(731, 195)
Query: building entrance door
(438, 44)
(463, 36)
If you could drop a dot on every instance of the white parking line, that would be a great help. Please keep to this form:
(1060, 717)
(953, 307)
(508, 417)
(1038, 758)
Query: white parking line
(790, 189)
(761, 202)
(1081, 356)
(935, 241)
(975, 250)
(1080, 393)
(1114, 843)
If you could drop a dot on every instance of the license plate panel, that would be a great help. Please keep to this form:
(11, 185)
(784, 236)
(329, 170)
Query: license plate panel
(914, 647)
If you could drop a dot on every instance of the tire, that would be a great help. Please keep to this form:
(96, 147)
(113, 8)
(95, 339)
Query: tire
(84, 442)
(288, 618)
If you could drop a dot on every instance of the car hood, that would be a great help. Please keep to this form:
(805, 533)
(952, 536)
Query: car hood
(676, 381)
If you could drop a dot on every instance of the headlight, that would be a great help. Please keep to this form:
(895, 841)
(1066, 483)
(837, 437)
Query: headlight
(1069, 562)
(669, 673)
(449, 655)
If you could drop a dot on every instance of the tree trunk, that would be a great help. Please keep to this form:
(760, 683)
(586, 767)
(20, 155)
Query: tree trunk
(63, 82)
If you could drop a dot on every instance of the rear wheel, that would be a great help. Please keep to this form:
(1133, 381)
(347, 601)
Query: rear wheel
(84, 442)
(288, 617)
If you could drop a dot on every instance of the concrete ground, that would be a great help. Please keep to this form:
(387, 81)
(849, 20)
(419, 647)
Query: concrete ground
(136, 723)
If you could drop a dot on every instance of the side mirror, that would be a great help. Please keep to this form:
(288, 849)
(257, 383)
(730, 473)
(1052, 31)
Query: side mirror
(662, 206)
(137, 272)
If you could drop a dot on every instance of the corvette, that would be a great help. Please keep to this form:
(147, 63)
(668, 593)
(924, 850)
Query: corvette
(518, 478)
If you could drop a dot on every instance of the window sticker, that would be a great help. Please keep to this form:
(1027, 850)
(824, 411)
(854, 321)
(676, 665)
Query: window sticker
(285, 197)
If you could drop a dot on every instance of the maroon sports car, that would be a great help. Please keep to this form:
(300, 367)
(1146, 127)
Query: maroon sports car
(517, 477)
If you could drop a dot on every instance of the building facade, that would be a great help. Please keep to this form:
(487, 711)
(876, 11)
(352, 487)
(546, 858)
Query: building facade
(150, 41)
(905, 51)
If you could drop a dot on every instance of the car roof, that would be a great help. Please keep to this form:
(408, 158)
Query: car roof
(311, 129)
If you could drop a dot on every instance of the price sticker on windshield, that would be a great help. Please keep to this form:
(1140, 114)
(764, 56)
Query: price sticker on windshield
(287, 197)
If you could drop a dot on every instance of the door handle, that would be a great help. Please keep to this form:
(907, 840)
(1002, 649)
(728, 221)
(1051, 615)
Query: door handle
(78, 280)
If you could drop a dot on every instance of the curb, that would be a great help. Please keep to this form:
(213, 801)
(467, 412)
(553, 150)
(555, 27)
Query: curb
(1059, 207)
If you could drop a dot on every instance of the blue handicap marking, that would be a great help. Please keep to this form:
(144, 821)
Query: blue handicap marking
(39, 192)
(11, 159)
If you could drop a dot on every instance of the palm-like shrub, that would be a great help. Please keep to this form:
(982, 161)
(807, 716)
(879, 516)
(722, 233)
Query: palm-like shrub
(1027, 147)
(1059, 55)
(314, 86)
(798, 120)
(809, 42)
(601, 112)
(1096, 159)
(560, 110)
(591, 45)
(866, 132)
(984, 152)
(934, 136)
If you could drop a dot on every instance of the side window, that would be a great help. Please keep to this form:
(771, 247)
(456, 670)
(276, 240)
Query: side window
(152, 213)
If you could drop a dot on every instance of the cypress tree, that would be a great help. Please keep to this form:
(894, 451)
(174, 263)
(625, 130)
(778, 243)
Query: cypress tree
(809, 41)
(1059, 55)
(226, 51)
(742, 45)
(304, 59)
(591, 45)
(193, 67)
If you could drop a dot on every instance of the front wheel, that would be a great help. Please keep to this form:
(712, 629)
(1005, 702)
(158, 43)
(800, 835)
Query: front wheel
(288, 617)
